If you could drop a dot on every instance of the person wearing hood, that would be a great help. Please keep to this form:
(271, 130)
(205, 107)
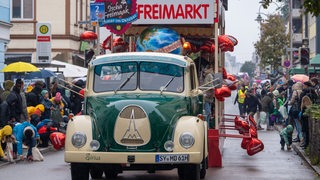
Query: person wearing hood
(14, 101)
(4, 132)
(25, 133)
(34, 97)
(286, 137)
(7, 85)
(48, 106)
(75, 97)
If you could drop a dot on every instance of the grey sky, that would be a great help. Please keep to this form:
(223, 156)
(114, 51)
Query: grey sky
(240, 23)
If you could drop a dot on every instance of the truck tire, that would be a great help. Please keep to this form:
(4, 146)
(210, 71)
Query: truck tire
(203, 168)
(189, 172)
(79, 171)
(96, 172)
(110, 174)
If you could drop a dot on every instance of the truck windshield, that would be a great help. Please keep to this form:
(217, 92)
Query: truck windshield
(148, 76)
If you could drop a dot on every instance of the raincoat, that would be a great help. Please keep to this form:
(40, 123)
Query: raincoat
(18, 133)
(286, 133)
(5, 131)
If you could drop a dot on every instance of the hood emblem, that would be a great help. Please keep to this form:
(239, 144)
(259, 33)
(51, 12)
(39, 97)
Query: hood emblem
(132, 134)
(132, 127)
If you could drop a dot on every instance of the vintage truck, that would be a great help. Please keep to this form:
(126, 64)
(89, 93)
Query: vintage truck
(142, 111)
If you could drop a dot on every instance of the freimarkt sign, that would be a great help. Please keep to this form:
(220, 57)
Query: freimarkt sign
(43, 42)
(176, 12)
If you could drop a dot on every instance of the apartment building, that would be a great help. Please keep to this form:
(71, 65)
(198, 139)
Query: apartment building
(5, 26)
(64, 17)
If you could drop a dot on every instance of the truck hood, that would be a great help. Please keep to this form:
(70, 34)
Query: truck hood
(143, 122)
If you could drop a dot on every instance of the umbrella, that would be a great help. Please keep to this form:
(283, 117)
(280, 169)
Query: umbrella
(20, 67)
(88, 35)
(43, 73)
(300, 78)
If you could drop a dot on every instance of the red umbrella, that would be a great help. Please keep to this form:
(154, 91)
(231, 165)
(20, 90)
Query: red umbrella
(88, 35)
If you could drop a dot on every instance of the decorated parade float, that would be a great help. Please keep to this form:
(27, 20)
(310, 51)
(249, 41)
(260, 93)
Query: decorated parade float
(143, 107)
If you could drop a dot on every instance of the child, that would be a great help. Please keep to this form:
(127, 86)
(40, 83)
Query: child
(4, 132)
(286, 137)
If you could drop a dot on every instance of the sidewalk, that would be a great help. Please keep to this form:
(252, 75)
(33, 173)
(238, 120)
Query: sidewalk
(301, 152)
(42, 150)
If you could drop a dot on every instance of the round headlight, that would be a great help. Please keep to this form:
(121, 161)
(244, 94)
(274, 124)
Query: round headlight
(79, 139)
(186, 140)
(168, 146)
(95, 145)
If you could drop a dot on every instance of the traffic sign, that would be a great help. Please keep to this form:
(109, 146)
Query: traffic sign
(97, 12)
(84, 22)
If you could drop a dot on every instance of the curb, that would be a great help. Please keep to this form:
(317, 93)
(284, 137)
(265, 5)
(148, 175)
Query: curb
(42, 150)
(302, 154)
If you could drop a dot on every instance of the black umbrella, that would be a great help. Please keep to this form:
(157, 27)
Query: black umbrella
(43, 73)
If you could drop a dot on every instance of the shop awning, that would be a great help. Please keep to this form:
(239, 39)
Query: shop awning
(315, 61)
(300, 70)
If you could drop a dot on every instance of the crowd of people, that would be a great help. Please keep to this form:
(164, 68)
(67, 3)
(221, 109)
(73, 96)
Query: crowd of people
(28, 115)
(281, 103)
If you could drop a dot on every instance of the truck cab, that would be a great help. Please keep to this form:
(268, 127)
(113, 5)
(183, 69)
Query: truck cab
(142, 111)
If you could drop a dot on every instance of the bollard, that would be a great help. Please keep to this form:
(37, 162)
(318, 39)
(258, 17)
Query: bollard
(214, 154)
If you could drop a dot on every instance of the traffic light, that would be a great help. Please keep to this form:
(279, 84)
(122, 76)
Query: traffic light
(304, 55)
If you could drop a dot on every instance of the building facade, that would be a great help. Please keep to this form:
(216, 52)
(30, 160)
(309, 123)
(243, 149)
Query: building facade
(5, 26)
(66, 18)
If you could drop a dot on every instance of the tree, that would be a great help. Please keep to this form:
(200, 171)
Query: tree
(248, 67)
(272, 43)
(310, 6)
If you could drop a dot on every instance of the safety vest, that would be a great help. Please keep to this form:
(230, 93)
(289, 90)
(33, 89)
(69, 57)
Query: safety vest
(241, 96)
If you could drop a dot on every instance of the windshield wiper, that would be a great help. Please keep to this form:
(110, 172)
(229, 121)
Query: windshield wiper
(124, 82)
(168, 83)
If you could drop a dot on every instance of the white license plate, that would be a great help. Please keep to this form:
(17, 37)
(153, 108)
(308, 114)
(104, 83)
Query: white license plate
(164, 158)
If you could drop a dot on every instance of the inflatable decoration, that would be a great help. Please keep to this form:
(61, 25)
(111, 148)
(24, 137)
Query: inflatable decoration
(253, 132)
(243, 127)
(58, 140)
(245, 142)
(225, 43)
(88, 36)
(159, 39)
(231, 77)
(225, 91)
(253, 122)
(254, 146)
(208, 47)
(224, 73)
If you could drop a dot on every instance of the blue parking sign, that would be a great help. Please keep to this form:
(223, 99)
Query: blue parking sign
(97, 12)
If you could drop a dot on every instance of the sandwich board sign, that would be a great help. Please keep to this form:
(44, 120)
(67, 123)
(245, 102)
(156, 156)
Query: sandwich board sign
(44, 41)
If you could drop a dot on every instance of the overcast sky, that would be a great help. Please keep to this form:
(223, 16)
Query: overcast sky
(240, 23)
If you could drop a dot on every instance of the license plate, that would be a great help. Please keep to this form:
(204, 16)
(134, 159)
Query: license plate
(165, 158)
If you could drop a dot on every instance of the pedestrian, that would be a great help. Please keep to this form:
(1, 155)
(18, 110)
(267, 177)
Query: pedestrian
(25, 133)
(251, 103)
(286, 137)
(24, 116)
(208, 97)
(241, 95)
(4, 132)
(58, 108)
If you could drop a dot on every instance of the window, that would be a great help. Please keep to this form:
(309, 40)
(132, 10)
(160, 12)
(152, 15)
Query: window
(22, 9)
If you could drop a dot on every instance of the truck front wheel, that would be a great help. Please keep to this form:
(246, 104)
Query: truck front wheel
(79, 171)
(189, 172)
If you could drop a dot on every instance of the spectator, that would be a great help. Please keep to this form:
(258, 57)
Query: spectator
(34, 97)
(286, 137)
(57, 111)
(24, 116)
(25, 133)
(267, 108)
(48, 106)
(75, 98)
(14, 101)
(305, 103)
(8, 84)
(4, 132)
(295, 109)
(251, 103)
(208, 82)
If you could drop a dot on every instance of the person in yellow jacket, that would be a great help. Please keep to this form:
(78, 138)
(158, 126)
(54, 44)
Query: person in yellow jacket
(241, 95)
(5, 131)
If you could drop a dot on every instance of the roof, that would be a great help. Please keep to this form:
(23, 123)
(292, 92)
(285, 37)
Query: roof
(69, 70)
(315, 61)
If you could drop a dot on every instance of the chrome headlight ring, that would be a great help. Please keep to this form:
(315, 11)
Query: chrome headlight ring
(186, 140)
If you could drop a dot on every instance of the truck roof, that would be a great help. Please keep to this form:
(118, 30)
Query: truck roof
(179, 60)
